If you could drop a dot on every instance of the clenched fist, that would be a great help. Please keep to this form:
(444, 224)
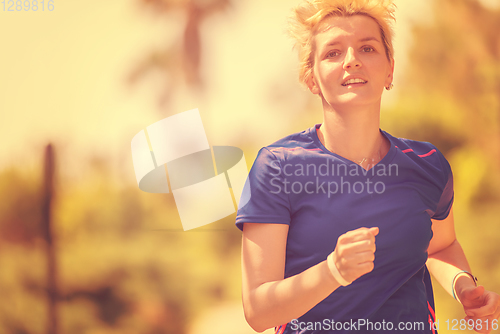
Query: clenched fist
(354, 254)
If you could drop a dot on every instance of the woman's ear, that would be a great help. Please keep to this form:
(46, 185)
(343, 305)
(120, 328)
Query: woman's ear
(390, 76)
(311, 84)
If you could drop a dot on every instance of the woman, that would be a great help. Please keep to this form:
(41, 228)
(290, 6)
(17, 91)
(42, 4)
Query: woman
(343, 222)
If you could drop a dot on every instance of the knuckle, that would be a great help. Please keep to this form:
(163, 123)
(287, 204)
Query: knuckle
(365, 234)
(342, 262)
(341, 252)
(345, 238)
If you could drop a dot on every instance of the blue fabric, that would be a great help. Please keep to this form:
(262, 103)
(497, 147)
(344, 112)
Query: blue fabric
(321, 195)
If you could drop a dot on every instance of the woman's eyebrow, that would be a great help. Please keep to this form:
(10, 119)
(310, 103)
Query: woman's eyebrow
(365, 39)
(371, 38)
(332, 42)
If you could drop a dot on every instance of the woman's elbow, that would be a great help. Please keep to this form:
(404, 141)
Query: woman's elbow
(253, 319)
(253, 323)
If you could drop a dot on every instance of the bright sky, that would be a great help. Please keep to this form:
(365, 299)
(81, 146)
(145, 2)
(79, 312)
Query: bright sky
(62, 77)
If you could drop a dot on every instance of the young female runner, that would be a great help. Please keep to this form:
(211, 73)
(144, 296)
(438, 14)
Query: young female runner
(343, 222)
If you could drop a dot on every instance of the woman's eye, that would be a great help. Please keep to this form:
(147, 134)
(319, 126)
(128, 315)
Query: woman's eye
(332, 54)
(368, 49)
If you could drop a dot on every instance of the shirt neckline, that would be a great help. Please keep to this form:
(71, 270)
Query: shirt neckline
(385, 160)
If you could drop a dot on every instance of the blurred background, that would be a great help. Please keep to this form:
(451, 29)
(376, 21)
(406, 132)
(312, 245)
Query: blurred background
(84, 250)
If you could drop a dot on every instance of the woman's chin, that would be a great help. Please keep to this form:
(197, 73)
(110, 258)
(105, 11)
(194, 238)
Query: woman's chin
(354, 99)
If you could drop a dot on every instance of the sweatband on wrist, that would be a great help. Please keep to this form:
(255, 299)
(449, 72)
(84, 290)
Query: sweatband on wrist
(335, 271)
(474, 278)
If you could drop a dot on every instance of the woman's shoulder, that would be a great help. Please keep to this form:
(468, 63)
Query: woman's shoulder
(299, 139)
(291, 146)
(417, 147)
(421, 152)
(292, 143)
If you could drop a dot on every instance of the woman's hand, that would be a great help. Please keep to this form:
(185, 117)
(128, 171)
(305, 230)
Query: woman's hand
(481, 306)
(355, 252)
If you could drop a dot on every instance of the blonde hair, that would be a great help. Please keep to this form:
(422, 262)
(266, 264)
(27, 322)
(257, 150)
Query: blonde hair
(310, 13)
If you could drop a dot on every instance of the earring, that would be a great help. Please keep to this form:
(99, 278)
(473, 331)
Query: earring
(390, 86)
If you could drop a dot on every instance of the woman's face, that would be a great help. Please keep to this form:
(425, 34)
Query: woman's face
(350, 63)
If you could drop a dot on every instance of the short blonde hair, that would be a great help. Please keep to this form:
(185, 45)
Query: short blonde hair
(310, 13)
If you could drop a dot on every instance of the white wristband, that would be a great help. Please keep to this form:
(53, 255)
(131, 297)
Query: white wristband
(335, 271)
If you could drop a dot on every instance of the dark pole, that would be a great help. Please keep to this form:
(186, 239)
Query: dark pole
(47, 228)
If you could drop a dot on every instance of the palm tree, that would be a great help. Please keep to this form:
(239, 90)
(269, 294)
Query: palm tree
(187, 52)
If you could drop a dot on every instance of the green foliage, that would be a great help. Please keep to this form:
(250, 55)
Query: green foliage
(451, 97)
(125, 265)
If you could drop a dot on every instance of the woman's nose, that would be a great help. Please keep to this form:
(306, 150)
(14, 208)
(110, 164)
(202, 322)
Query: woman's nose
(351, 60)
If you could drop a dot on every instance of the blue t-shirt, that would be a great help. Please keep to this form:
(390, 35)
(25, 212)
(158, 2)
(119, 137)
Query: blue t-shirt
(321, 195)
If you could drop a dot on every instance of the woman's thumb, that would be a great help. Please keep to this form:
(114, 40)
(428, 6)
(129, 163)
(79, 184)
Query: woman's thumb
(374, 230)
(474, 293)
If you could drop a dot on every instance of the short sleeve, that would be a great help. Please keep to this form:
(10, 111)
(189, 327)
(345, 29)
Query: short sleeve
(263, 199)
(446, 200)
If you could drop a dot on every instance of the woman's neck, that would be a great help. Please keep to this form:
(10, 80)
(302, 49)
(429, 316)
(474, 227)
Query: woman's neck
(354, 134)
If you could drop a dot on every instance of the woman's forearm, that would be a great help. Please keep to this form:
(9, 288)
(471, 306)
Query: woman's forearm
(275, 303)
(446, 263)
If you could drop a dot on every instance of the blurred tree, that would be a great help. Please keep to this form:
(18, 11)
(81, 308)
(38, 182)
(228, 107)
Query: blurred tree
(116, 273)
(186, 55)
(451, 97)
(452, 93)
(48, 232)
(20, 211)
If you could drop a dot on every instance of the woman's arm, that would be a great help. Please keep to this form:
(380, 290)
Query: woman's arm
(446, 259)
(269, 300)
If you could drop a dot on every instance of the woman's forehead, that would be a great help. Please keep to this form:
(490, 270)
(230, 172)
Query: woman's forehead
(349, 25)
